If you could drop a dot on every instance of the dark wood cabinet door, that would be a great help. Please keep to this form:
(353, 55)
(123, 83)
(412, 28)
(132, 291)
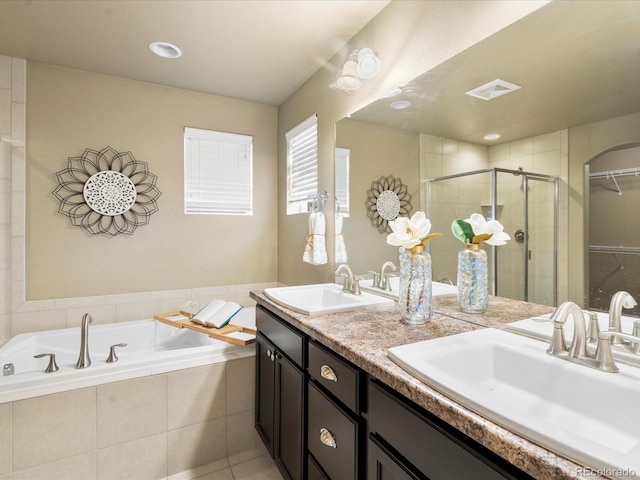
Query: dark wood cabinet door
(382, 464)
(265, 392)
(291, 446)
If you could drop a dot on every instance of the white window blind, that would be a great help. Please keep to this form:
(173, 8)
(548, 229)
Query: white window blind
(217, 172)
(302, 165)
(342, 181)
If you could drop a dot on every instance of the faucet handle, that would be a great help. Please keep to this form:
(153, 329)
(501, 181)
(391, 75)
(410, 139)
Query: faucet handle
(604, 357)
(376, 278)
(53, 366)
(558, 344)
(355, 285)
(112, 352)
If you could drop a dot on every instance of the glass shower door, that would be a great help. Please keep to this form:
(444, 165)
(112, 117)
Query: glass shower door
(527, 264)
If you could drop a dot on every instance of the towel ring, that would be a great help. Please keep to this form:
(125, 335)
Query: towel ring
(318, 202)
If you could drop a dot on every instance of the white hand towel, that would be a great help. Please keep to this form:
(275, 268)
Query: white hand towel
(315, 251)
(319, 243)
(341, 250)
(307, 256)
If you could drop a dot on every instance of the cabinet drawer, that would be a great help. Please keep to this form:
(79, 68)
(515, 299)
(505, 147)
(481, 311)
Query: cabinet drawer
(285, 338)
(328, 423)
(437, 452)
(335, 374)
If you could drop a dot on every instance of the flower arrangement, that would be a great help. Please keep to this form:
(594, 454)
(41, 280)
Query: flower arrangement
(476, 229)
(411, 232)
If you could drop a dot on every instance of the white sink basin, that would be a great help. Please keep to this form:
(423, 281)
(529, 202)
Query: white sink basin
(588, 416)
(322, 299)
(437, 288)
(544, 330)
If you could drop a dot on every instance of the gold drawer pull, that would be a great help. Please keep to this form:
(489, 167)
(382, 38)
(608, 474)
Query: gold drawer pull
(327, 373)
(327, 438)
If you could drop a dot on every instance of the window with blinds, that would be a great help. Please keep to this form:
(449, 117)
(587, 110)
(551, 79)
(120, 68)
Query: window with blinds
(302, 165)
(342, 181)
(217, 172)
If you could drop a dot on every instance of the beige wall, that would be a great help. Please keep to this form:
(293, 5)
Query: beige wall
(411, 37)
(70, 110)
(375, 152)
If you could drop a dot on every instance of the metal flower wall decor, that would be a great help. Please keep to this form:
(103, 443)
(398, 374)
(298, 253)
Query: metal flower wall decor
(386, 200)
(107, 192)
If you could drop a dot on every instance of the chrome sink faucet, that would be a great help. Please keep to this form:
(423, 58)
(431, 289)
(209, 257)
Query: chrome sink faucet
(577, 353)
(83, 359)
(558, 345)
(384, 276)
(351, 281)
(381, 280)
(619, 301)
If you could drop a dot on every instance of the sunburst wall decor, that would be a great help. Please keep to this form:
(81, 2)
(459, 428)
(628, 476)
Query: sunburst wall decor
(387, 199)
(107, 192)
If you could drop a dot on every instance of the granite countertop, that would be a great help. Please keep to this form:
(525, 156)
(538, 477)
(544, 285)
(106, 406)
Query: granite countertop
(363, 337)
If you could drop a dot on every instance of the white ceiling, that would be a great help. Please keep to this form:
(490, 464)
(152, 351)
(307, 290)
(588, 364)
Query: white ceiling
(257, 50)
(577, 63)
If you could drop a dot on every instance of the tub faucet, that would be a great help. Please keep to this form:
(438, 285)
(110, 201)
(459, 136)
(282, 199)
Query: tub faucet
(351, 281)
(619, 301)
(83, 359)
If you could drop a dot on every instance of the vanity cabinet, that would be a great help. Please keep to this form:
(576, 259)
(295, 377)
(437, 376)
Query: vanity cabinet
(322, 418)
(280, 393)
(336, 429)
(407, 442)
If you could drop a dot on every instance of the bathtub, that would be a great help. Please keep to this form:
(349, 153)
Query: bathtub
(152, 348)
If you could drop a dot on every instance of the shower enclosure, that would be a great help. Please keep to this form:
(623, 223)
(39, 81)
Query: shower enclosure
(525, 203)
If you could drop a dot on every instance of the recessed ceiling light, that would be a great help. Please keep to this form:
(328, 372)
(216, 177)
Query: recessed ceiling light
(401, 104)
(393, 93)
(492, 136)
(165, 50)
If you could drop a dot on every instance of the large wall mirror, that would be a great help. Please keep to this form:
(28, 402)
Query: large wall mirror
(575, 63)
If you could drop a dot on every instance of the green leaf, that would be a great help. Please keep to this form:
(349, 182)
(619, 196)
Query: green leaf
(462, 231)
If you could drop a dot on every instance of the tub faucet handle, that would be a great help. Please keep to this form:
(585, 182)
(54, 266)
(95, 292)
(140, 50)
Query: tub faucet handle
(112, 352)
(53, 366)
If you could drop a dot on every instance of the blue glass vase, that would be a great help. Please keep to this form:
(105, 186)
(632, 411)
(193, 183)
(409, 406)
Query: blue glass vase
(414, 295)
(473, 279)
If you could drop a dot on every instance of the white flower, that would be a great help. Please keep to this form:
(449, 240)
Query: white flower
(493, 227)
(407, 232)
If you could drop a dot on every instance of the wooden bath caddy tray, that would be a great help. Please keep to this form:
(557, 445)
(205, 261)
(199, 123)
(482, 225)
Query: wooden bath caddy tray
(235, 334)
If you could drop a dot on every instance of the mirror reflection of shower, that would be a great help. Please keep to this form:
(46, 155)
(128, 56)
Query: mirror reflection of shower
(523, 202)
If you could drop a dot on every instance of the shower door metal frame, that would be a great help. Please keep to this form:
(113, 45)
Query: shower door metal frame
(494, 202)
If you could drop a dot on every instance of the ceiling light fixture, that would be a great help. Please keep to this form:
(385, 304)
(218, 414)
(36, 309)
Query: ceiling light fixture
(492, 136)
(393, 93)
(362, 64)
(400, 104)
(165, 50)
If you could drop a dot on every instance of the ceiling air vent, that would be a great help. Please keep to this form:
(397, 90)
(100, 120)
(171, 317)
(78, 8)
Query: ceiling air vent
(492, 90)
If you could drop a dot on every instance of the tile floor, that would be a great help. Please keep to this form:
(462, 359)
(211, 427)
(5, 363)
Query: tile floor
(261, 468)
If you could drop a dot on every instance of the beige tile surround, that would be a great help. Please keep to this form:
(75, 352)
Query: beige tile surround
(180, 425)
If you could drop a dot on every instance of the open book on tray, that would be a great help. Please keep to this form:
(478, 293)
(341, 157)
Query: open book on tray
(217, 313)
